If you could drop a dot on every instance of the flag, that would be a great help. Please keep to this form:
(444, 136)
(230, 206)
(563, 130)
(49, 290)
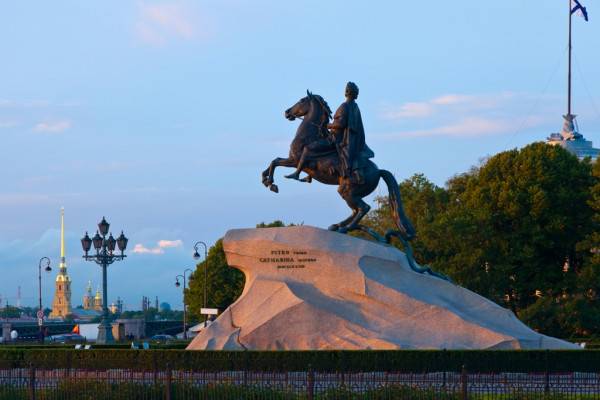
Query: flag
(577, 8)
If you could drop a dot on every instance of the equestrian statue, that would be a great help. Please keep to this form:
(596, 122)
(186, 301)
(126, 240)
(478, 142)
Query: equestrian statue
(336, 153)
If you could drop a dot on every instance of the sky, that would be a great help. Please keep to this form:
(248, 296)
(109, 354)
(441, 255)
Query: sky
(161, 115)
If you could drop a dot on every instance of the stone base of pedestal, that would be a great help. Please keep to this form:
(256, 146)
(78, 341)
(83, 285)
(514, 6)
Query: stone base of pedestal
(105, 335)
(311, 289)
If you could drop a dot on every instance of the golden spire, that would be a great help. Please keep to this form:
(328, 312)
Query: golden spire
(63, 264)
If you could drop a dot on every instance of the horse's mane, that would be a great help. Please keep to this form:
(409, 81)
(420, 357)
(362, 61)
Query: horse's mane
(324, 104)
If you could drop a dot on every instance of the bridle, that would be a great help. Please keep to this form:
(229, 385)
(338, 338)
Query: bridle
(324, 118)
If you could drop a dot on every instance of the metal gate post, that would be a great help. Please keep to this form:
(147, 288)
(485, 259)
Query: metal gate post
(310, 384)
(464, 384)
(31, 382)
(168, 394)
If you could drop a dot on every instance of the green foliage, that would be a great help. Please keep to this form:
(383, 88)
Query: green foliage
(224, 284)
(274, 224)
(515, 216)
(10, 312)
(423, 202)
(321, 361)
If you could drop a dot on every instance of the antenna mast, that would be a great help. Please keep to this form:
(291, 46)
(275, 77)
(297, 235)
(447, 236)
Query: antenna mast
(569, 74)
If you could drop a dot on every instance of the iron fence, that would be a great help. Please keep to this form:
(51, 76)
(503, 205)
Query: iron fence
(32, 382)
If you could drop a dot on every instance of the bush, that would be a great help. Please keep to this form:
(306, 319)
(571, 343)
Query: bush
(320, 361)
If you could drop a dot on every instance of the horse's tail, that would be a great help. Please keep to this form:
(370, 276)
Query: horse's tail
(405, 230)
(403, 225)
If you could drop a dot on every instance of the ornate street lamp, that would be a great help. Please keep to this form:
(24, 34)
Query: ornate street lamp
(41, 311)
(105, 255)
(177, 284)
(196, 257)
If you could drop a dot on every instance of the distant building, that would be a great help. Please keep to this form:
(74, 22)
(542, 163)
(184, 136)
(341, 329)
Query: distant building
(573, 141)
(61, 305)
(88, 299)
(98, 300)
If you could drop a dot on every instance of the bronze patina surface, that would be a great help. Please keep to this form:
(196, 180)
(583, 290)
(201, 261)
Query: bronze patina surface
(336, 153)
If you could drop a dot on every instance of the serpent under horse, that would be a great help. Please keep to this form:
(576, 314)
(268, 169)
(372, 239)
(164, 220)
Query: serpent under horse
(324, 166)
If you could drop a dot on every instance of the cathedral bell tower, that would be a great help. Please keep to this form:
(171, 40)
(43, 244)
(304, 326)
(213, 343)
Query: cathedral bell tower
(61, 305)
(88, 299)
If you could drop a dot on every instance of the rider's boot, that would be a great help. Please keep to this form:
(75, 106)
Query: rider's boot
(296, 174)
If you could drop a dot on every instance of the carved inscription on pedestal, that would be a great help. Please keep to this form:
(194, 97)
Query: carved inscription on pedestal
(289, 259)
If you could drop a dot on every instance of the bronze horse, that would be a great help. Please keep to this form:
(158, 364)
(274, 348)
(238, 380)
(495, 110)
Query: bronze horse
(324, 166)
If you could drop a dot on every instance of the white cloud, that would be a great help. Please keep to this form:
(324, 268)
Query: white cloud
(52, 126)
(471, 127)
(467, 115)
(450, 99)
(446, 103)
(409, 110)
(141, 249)
(159, 248)
(165, 244)
(464, 128)
(158, 23)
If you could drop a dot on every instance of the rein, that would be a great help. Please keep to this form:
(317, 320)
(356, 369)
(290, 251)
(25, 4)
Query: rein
(319, 126)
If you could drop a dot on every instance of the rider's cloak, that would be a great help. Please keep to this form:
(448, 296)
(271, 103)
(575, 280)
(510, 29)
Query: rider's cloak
(354, 149)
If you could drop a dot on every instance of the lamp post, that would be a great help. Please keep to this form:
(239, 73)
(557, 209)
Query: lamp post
(197, 257)
(41, 311)
(105, 248)
(184, 305)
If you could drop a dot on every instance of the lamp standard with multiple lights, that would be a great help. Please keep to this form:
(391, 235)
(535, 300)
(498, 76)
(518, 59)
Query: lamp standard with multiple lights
(41, 310)
(184, 305)
(197, 257)
(105, 247)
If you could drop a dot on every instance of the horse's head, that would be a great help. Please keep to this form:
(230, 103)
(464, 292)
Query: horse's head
(307, 104)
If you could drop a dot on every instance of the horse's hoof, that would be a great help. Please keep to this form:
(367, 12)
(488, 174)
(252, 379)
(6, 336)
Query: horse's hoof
(333, 227)
(342, 229)
(267, 181)
(274, 188)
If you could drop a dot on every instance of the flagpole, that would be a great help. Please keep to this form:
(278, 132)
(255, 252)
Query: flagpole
(570, 48)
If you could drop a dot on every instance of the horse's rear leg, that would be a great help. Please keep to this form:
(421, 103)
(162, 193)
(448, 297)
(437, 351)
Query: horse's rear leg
(356, 203)
(362, 209)
(342, 224)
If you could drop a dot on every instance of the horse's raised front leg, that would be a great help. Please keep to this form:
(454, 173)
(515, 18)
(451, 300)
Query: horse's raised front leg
(268, 174)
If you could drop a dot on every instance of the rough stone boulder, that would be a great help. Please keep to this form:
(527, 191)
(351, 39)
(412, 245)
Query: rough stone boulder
(308, 288)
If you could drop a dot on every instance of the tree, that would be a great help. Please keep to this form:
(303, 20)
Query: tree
(579, 311)
(515, 221)
(224, 284)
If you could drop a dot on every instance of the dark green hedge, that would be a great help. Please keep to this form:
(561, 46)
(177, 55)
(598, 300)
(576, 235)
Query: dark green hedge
(342, 361)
